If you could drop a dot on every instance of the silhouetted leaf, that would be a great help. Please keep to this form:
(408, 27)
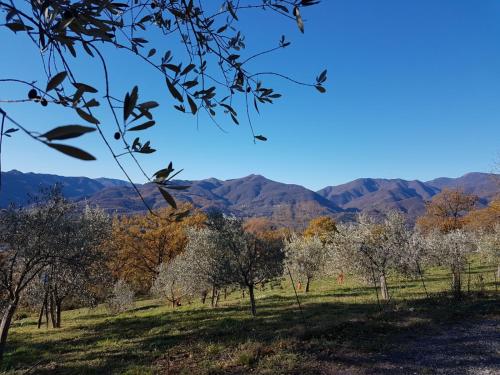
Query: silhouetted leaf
(146, 125)
(16, 26)
(91, 103)
(84, 87)
(178, 187)
(71, 151)
(192, 105)
(260, 138)
(87, 116)
(166, 195)
(187, 69)
(129, 103)
(67, 131)
(176, 94)
(231, 10)
(320, 88)
(322, 76)
(56, 80)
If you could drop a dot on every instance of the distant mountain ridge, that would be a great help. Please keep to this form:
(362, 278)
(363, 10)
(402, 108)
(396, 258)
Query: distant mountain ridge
(255, 195)
(375, 195)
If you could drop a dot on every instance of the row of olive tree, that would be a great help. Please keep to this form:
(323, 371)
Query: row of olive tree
(372, 249)
(223, 255)
(50, 253)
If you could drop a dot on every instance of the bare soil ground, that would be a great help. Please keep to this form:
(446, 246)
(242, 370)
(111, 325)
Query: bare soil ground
(469, 348)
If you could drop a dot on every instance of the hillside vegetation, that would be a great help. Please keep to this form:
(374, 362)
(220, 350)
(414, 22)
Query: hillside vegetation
(342, 327)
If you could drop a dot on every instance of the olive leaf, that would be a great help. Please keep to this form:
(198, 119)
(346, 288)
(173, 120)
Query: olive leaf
(71, 151)
(166, 195)
(146, 125)
(56, 81)
(67, 132)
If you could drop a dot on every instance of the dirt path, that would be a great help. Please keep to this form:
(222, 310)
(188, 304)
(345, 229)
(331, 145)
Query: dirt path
(461, 349)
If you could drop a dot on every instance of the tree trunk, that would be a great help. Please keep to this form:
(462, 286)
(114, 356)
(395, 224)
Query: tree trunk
(308, 283)
(52, 312)
(58, 313)
(498, 271)
(40, 317)
(47, 315)
(383, 288)
(44, 306)
(252, 299)
(214, 291)
(217, 295)
(8, 314)
(204, 296)
(456, 284)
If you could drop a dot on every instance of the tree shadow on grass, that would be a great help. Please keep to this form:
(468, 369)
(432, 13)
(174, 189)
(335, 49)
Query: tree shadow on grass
(357, 328)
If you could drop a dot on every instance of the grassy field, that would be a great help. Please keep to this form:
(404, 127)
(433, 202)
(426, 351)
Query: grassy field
(339, 324)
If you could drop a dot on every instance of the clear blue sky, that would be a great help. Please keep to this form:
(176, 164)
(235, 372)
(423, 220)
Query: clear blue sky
(413, 92)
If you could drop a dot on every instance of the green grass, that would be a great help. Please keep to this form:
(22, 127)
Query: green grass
(339, 324)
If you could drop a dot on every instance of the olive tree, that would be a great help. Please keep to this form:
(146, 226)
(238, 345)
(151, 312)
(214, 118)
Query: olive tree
(174, 281)
(28, 245)
(78, 272)
(205, 263)
(306, 257)
(489, 245)
(121, 298)
(451, 250)
(236, 257)
(371, 249)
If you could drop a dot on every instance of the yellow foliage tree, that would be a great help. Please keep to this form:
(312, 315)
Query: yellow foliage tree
(323, 227)
(140, 243)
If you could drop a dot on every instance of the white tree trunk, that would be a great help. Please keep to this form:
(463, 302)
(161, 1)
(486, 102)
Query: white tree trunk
(383, 288)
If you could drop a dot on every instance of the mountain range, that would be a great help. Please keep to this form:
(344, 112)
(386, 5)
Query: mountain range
(255, 195)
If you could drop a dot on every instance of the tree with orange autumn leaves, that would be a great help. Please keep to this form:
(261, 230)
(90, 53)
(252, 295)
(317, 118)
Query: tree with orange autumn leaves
(485, 219)
(141, 243)
(447, 211)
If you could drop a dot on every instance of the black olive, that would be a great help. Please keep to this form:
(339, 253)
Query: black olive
(32, 94)
(44, 102)
(117, 136)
